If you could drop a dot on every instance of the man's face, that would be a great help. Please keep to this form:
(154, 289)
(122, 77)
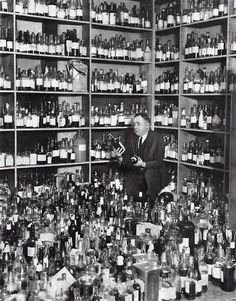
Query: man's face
(141, 126)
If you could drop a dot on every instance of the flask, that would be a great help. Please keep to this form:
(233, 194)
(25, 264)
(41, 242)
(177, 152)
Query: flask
(80, 147)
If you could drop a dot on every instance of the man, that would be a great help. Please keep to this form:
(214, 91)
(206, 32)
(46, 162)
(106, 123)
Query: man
(149, 173)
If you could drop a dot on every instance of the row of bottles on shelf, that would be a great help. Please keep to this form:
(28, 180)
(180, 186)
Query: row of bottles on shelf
(6, 159)
(166, 114)
(51, 114)
(204, 46)
(202, 81)
(113, 14)
(166, 52)
(207, 117)
(54, 152)
(205, 153)
(168, 16)
(6, 38)
(171, 147)
(66, 43)
(198, 81)
(114, 115)
(167, 82)
(102, 149)
(69, 9)
(51, 80)
(79, 228)
(114, 82)
(171, 16)
(121, 49)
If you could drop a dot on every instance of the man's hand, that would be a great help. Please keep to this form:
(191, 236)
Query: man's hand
(140, 163)
(119, 152)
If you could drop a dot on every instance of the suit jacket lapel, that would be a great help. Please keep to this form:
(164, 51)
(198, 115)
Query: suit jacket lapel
(135, 144)
(148, 145)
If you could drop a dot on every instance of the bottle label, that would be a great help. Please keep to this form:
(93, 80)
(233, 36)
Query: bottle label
(198, 284)
(3, 43)
(30, 251)
(72, 13)
(184, 188)
(183, 122)
(216, 272)
(8, 119)
(204, 276)
(82, 147)
(68, 46)
(41, 158)
(105, 18)
(170, 19)
(187, 285)
(112, 18)
(52, 10)
(79, 12)
(55, 153)
(63, 154)
(72, 156)
(33, 159)
(216, 119)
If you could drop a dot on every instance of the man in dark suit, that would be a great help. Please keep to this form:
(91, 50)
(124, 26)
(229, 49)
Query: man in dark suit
(149, 173)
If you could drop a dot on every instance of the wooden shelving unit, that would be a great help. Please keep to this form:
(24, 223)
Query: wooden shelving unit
(88, 30)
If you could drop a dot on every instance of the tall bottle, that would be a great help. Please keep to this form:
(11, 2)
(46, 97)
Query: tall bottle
(80, 147)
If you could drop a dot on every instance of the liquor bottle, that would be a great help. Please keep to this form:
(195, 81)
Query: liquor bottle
(198, 278)
(217, 266)
(187, 231)
(227, 273)
(190, 281)
(7, 117)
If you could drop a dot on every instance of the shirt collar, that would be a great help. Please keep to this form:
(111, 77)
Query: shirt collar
(144, 137)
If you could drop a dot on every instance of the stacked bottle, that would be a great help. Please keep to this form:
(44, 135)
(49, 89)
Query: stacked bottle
(202, 11)
(201, 81)
(53, 152)
(6, 38)
(166, 52)
(113, 14)
(51, 114)
(51, 80)
(167, 83)
(204, 46)
(206, 153)
(166, 114)
(171, 147)
(194, 246)
(69, 9)
(113, 82)
(121, 49)
(103, 149)
(168, 16)
(114, 115)
(204, 117)
(66, 43)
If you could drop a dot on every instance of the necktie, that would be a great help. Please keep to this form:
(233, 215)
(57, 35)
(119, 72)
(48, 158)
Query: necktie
(140, 141)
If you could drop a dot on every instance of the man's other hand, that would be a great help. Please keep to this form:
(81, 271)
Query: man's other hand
(140, 163)
(119, 152)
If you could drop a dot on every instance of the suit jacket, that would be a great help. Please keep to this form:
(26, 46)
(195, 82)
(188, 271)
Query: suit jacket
(153, 157)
